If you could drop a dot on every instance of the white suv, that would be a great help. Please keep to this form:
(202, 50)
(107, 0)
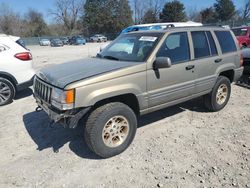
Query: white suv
(98, 38)
(16, 72)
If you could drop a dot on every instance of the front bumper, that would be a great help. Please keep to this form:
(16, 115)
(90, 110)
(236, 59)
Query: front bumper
(25, 85)
(69, 118)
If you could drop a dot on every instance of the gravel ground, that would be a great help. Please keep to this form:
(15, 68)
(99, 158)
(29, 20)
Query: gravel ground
(182, 146)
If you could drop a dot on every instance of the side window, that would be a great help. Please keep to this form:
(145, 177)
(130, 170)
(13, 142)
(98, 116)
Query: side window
(176, 47)
(212, 43)
(201, 47)
(226, 41)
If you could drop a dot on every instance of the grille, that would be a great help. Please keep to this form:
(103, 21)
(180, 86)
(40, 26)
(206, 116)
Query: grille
(42, 90)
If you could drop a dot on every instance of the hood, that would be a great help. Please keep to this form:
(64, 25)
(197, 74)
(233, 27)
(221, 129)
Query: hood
(63, 74)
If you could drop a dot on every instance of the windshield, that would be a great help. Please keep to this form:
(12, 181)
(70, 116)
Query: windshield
(240, 32)
(131, 47)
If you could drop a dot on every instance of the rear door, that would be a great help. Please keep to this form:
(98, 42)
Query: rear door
(206, 60)
(177, 82)
(229, 52)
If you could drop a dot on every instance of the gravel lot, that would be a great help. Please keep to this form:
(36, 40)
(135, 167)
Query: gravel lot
(182, 146)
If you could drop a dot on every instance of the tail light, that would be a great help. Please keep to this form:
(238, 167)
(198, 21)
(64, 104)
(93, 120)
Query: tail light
(241, 60)
(24, 56)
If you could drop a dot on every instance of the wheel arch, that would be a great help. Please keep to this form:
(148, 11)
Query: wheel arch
(229, 74)
(9, 77)
(128, 99)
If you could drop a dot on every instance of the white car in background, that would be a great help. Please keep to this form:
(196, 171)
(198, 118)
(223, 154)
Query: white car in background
(160, 26)
(16, 72)
(98, 38)
(44, 42)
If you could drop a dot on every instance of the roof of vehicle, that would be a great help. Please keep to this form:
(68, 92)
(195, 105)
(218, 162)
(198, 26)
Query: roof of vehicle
(14, 38)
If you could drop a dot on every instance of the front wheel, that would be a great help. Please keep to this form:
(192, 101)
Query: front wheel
(219, 97)
(110, 129)
(7, 91)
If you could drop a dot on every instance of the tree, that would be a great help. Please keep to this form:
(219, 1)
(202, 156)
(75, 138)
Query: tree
(246, 10)
(35, 24)
(224, 9)
(173, 12)
(107, 16)
(123, 15)
(10, 22)
(67, 12)
(150, 17)
(140, 8)
(194, 15)
(208, 16)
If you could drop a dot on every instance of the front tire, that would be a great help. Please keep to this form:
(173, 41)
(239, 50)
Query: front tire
(7, 91)
(219, 97)
(110, 129)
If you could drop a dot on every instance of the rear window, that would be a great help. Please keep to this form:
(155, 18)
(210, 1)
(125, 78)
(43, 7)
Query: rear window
(226, 41)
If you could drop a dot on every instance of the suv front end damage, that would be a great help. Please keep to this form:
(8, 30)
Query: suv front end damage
(57, 103)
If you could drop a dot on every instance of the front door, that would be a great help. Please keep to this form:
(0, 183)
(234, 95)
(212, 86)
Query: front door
(176, 82)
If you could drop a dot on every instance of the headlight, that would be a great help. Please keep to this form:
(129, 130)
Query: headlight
(63, 100)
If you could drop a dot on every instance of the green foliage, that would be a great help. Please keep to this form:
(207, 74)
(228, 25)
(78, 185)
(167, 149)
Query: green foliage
(173, 12)
(224, 9)
(107, 16)
(208, 16)
(150, 17)
(35, 24)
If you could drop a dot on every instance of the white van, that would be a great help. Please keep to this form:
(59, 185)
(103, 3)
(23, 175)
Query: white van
(160, 26)
(16, 72)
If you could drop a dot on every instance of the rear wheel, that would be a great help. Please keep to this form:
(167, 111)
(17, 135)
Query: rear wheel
(219, 96)
(110, 129)
(7, 91)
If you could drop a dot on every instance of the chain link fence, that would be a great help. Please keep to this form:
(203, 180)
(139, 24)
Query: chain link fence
(35, 40)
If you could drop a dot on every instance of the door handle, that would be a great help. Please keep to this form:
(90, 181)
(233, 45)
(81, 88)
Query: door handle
(217, 60)
(190, 67)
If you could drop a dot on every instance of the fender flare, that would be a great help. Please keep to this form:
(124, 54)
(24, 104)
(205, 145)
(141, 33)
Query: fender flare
(7, 75)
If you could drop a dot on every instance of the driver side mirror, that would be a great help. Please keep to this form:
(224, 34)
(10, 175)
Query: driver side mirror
(162, 62)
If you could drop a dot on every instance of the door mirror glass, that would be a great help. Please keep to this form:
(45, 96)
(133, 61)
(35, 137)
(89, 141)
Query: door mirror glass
(162, 62)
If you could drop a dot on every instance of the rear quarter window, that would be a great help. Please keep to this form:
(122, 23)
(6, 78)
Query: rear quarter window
(21, 43)
(226, 41)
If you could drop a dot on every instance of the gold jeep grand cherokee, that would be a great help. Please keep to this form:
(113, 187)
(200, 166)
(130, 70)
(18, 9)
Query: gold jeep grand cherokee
(138, 73)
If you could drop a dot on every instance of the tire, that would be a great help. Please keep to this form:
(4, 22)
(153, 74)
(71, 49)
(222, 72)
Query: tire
(100, 127)
(7, 91)
(243, 46)
(219, 97)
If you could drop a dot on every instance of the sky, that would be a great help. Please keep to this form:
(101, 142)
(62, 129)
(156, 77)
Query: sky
(43, 6)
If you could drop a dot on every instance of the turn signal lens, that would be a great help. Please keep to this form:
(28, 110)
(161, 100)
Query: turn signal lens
(70, 96)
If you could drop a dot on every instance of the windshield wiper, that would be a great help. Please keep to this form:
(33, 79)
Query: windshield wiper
(110, 57)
